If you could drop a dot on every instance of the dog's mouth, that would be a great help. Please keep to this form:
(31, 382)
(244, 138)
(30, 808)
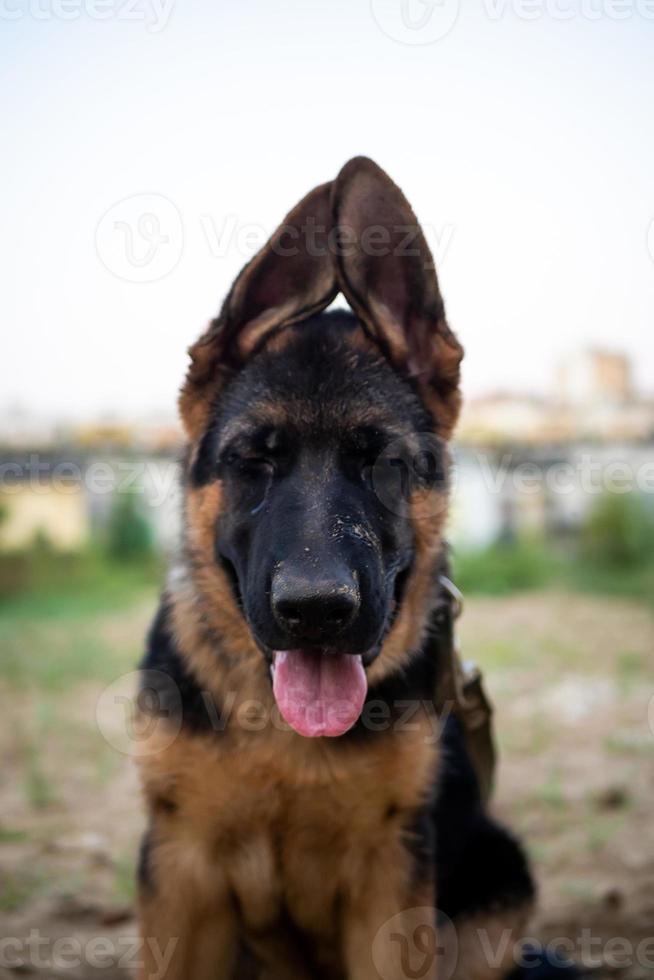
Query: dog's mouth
(319, 693)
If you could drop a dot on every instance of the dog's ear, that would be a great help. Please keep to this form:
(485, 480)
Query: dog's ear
(291, 278)
(387, 274)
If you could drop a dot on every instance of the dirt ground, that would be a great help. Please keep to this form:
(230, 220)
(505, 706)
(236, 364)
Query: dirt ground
(572, 679)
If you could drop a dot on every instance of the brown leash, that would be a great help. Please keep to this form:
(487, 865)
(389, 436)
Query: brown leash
(461, 690)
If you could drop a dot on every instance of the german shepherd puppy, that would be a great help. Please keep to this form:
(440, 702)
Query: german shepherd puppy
(308, 813)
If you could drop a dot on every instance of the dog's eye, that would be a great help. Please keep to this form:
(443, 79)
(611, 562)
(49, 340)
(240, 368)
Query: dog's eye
(257, 466)
(249, 466)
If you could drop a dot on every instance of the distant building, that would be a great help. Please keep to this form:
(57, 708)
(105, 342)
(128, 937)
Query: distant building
(593, 399)
(66, 498)
(54, 510)
(595, 377)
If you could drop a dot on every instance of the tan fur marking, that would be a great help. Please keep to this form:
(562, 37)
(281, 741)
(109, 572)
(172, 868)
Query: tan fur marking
(256, 330)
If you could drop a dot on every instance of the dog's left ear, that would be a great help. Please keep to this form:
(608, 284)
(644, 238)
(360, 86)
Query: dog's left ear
(386, 272)
(291, 278)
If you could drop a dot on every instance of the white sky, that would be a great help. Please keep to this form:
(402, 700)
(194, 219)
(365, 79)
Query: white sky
(526, 146)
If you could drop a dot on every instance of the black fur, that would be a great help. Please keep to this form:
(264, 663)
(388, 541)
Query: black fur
(471, 848)
(183, 700)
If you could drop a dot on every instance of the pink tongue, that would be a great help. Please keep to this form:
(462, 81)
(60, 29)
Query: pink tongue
(319, 693)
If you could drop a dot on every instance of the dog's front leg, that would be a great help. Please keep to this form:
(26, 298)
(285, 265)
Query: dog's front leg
(174, 946)
(187, 922)
(389, 933)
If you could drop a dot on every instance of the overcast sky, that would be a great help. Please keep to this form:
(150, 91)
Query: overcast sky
(524, 137)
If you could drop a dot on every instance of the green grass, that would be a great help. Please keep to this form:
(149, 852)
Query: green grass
(36, 655)
(501, 569)
(551, 792)
(629, 743)
(11, 835)
(65, 586)
(39, 788)
(125, 878)
(16, 889)
(79, 621)
(621, 583)
(61, 629)
(602, 831)
(612, 554)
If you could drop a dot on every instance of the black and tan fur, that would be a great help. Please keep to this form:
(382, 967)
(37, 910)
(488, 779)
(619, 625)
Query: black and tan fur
(270, 855)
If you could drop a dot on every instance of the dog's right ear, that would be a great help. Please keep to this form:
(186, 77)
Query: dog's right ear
(291, 278)
(386, 272)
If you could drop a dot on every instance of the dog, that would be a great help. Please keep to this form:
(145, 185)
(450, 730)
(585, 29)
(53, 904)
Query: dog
(312, 812)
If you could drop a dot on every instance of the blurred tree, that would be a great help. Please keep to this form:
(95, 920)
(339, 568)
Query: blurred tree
(129, 535)
(619, 532)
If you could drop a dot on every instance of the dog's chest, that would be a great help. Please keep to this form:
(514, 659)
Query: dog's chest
(306, 829)
(292, 826)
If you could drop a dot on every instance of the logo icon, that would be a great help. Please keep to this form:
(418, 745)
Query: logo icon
(412, 477)
(417, 944)
(140, 239)
(415, 21)
(140, 713)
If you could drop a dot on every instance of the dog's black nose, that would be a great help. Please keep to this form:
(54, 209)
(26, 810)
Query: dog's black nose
(314, 608)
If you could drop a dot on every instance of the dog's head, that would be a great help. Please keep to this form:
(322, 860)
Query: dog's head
(317, 468)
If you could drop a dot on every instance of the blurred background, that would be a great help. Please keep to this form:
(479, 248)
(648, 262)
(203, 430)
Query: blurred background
(150, 148)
